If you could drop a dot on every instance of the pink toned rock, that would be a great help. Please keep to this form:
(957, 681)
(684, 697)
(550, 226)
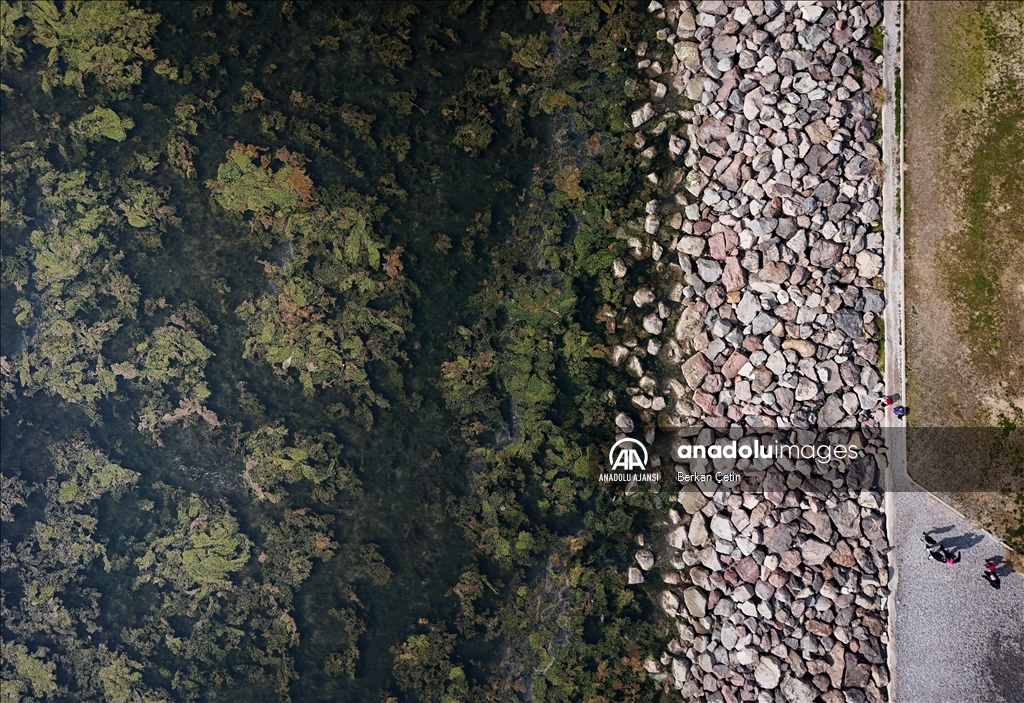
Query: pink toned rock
(709, 558)
(733, 365)
(752, 103)
(705, 401)
(731, 178)
(716, 246)
(713, 383)
(789, 560)
(843, 555)
(732, 240)
(710, 130)
(774, 272)
(734, 277)
(748, 569)
(753, 343)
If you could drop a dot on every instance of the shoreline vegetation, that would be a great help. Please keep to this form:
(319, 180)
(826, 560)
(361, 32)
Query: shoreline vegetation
(319, 317)
(212, 252)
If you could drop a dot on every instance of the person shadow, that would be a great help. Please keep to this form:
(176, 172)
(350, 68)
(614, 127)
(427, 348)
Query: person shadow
(961, 542)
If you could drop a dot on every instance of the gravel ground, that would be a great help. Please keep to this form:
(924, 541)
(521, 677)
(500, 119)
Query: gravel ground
(957, 639)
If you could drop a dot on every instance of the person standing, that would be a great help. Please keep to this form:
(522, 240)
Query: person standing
(990, 574)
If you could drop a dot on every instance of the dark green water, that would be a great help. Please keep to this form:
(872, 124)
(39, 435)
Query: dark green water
(411, 458)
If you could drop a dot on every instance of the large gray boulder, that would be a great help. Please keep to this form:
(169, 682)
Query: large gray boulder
(767, 673)
(698, 533)
(815, 552)
(779, 538)
(797, 691)
(696, 601)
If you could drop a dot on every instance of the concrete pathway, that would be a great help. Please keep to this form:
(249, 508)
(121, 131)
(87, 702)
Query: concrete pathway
(953, 638)
(958, 640)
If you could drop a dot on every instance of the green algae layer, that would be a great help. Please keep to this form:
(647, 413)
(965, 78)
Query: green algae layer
(302, 377)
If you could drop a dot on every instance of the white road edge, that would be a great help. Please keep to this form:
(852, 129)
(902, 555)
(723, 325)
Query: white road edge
(892, 226)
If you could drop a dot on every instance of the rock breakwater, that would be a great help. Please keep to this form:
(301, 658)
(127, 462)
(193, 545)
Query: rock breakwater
(754, 296)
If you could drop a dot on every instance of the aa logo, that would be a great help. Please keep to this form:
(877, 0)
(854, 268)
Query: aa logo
(624, 457)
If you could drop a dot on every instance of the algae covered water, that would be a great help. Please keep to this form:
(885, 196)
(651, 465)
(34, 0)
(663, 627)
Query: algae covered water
(301, 373)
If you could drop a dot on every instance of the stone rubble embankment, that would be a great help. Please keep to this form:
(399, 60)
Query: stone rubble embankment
(763, 321)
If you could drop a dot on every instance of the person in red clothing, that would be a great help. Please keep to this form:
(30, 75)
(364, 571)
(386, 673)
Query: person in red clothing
(990, 573)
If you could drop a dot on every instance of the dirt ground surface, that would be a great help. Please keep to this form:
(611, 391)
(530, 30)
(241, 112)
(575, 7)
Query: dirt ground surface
(964, 160)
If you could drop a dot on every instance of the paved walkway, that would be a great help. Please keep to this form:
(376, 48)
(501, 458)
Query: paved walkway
(956, 639)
